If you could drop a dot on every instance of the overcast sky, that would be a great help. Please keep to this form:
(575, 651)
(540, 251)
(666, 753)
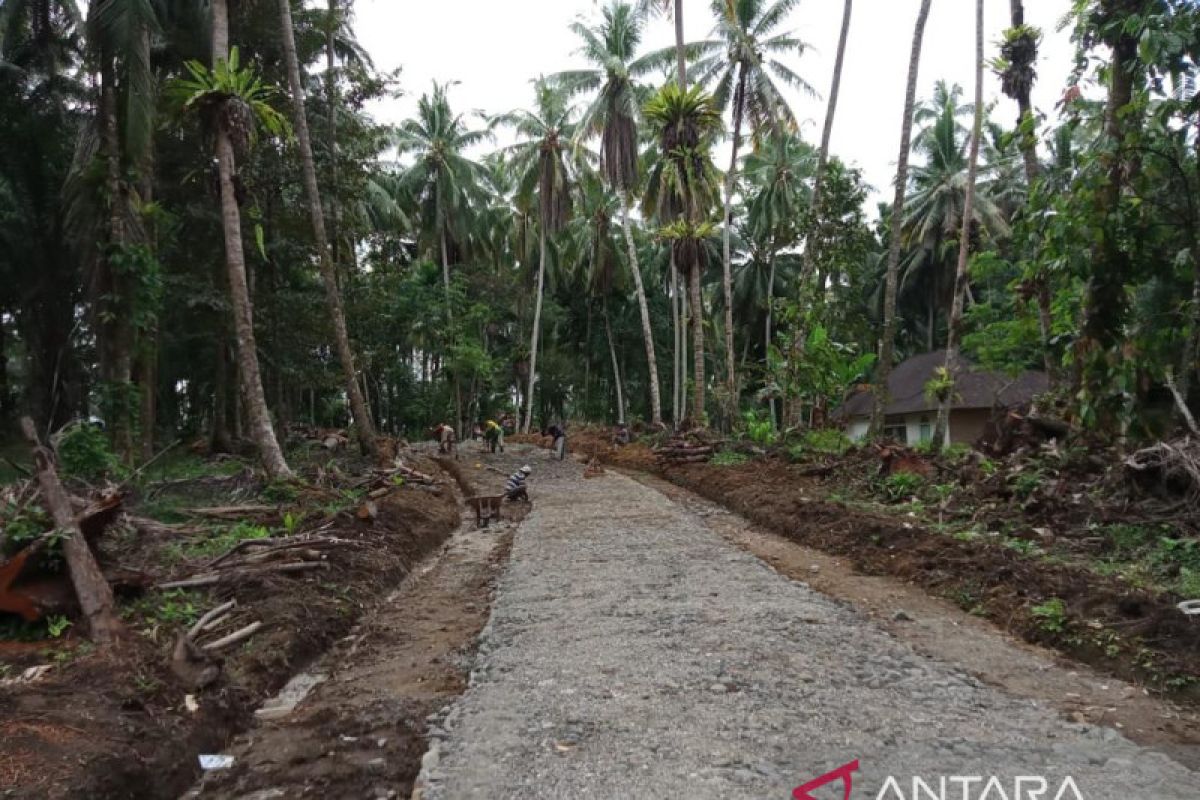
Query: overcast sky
(493, 48)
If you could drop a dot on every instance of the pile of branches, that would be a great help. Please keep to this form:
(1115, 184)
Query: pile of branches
(252, 559)
(1171, 468)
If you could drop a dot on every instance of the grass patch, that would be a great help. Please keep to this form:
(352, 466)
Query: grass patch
(729, 459)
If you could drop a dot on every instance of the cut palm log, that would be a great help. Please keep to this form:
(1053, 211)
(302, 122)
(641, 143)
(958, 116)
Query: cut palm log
(94, 594)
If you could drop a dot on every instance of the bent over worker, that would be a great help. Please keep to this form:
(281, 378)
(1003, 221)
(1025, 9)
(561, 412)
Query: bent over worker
(560, 441)
(493, 434)
(515, 488)
(447, 439)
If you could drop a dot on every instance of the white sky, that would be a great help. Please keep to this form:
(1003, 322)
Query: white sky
(494, 48)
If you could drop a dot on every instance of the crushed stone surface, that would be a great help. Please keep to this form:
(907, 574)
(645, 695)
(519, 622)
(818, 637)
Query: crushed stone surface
(634, 653)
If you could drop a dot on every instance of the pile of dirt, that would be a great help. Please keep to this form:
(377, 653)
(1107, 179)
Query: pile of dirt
(1131, 632)
(125, 725)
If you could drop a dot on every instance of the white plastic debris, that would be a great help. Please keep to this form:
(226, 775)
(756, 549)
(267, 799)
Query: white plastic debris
(189, 702)
(1190, 607)
(211, 762)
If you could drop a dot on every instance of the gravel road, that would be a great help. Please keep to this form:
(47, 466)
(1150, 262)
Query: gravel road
(634, 653)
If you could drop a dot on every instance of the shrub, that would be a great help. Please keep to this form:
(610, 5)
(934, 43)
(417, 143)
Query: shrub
(826, 441)
(759, 428)
(1025, 484)
(901, 486)
(1051, 615)
(83, 452)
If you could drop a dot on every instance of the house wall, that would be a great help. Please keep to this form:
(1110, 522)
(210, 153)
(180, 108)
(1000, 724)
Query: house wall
(966, 426)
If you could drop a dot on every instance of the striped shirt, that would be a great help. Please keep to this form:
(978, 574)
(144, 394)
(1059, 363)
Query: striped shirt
(515, 481)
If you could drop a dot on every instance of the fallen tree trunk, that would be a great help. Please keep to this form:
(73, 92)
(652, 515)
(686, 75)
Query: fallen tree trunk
(94, 594)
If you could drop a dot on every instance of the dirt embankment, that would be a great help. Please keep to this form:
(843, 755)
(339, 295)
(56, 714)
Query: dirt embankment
(124, 726)
(363, 731)
(1133, 633)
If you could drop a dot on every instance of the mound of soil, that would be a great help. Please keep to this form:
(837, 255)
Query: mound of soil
(1133, 633)
(119, 726)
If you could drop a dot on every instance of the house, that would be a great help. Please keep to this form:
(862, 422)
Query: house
(911, 416)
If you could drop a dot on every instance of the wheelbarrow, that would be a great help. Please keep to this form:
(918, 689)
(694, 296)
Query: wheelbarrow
(486, 507)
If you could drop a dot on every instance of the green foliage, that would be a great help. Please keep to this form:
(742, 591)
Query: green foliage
(57, 625)
(170, 610)
(21, 526)
(759, 428)
(1051, 616)
(285, 491)
(823, 441)
(901, 486)
(84, 452)
(221, 541)
(940, 387)
(1025, 483)
(729, 458)
(227, 86)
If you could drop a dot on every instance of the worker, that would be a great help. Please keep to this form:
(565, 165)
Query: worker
(515, 488)
(559, 448)
(447, 439)
(493, 434)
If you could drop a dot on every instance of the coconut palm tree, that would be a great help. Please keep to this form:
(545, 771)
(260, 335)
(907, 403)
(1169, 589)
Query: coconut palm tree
(540, 164)
(887, 341)
(442, 180)
(778, 178)
(594, 248)
(682, 193)
(234, 118)
(1017, 68)
(964, 244)
(333, 295)
(611, 49)
(936, 203)
(743, 68)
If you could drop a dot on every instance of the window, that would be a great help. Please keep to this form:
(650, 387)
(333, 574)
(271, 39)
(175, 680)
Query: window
(899, 432)
(926, 430)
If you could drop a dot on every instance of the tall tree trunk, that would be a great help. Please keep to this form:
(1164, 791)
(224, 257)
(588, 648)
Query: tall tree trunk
(677, 367)
(114, 326)
(92, 590)
(697, 303)
(445, 250)
(826, 138)
(333, 295)
(887, 342)
(954, 334)
(739, 102)
(1027, 137)
(683, 344)
(331, 100)
(612, 351)
(235, 259)
(767, 332)
(1027, 142)
(537, 328)
(647, 330)
(148, 386)
(5, 395)
(1105, 306)
(680, 50)
(220, 440)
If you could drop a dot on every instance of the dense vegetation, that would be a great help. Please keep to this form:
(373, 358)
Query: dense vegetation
(201, 239)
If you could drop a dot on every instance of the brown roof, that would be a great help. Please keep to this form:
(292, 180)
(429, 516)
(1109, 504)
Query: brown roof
(973, 387)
